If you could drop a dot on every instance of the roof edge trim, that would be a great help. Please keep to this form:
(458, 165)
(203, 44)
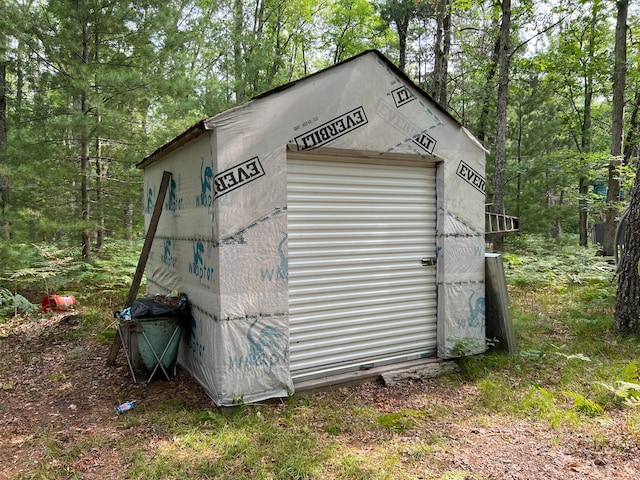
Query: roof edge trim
(185, 137)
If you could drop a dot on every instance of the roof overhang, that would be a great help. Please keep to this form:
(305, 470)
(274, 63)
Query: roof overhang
(185, 137)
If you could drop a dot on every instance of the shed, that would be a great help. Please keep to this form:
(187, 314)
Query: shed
(329, 226)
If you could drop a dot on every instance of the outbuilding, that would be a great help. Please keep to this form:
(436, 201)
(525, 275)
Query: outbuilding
(329, 226)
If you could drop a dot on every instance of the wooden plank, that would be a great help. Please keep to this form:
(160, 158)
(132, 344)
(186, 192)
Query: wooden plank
(498, 316)
(148, 241)
(363, 376)
(144, 256)
(419, 373)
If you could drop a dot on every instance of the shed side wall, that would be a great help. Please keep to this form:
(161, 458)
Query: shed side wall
(184, 254)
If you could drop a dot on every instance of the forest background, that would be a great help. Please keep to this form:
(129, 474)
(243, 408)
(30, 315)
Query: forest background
(89, 88)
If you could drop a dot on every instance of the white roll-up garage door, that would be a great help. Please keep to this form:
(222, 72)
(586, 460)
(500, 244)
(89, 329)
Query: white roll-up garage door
(362, 281)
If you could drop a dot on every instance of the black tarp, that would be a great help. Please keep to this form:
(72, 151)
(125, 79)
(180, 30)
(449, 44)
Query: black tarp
(142, 308)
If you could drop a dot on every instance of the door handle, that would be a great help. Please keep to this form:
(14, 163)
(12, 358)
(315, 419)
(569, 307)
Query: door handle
(429, 261)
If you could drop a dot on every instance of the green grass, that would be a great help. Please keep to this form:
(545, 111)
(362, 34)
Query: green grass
(569, 366)
(562, 308)
(254, 442)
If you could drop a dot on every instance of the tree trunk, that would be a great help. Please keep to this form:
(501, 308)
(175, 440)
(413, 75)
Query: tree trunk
(583, 214)
(442, 47)
(400, 12)
(627, 314)
(84, 157)
(238, 61)
(556, 227)
(501, 133)
(128, 221)
(4, 178)
(19, 81)
(438, 51)
(100, 162)
(631, 142)
(3, 107)
(100, 175)
(617, 127)
(84, 185)
(585, 145)
(402, 25)
(443, 100)
(483, 119)
(519, 159)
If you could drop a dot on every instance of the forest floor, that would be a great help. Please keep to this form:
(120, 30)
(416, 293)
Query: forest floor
(58, 418)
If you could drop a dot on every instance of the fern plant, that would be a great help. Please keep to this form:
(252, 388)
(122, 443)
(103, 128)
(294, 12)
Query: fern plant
(53, 268)
(629, 392)
(12, 304)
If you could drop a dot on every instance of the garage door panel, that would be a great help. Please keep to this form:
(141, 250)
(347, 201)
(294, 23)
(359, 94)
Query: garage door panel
(359, 286)
(358, 292)
(357, 336)
(318, 258)
(330, 322)
(345, 303)
(353, 354)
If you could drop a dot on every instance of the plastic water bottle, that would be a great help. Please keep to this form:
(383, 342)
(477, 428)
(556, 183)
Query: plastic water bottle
(125, 407)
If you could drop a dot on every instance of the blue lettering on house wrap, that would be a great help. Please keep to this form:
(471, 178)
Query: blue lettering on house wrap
(236, 362)
(174, 202)
(477, 311)
(205, 199)
(199, 267)
(168, 257)
(281, 272)
(268, 347)
(149, 204)
(195, 346)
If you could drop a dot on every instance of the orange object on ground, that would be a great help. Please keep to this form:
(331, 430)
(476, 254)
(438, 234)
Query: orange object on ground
(57, 303)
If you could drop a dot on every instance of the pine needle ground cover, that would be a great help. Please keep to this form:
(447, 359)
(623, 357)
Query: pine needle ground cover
(563, 407)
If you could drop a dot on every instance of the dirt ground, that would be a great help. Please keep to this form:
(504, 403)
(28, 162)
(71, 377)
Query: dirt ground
(56, 394)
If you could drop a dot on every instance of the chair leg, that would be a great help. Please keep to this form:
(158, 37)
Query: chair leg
(164, 352)
(155, 355)
(126, 352)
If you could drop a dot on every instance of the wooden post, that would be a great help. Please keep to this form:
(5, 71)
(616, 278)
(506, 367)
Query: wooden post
(144, 256)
